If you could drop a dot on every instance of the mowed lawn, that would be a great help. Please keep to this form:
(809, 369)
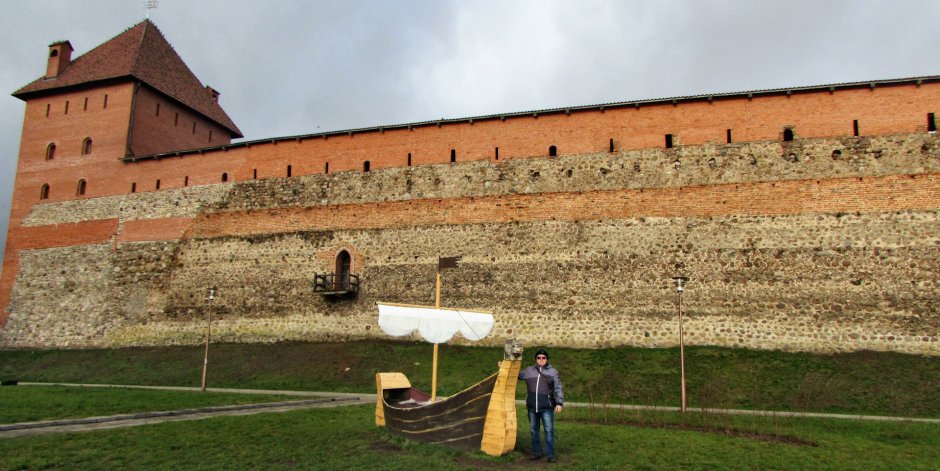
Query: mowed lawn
(346, 438)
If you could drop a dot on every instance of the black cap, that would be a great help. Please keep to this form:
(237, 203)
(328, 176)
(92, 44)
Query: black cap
(542, 351)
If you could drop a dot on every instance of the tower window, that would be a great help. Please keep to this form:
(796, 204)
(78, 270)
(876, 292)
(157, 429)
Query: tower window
(66, 107)
(86, 146)
(497, 154)
(210, 135)
(610, 146)
(50, 151)
(453, 155)
(855, 127)
(289, 170)
(254, 174)
(194, 127)
(80, 189)
(728, 136)
(186, 180)
(326, 168)
(552, 151)
(85, 105)
(225, 177)
(48, 107)
(158, 109)
(931, 123)
(106, 101)
(788, 134)
(366, 166)
(669, 141)
(409, 159)
(44, 192)
(176, 120)
(157, 186)
(133, 187)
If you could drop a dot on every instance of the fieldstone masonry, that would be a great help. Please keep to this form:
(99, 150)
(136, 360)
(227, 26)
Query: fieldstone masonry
(820, 281)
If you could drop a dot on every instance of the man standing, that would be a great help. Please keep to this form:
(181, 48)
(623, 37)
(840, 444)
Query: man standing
(544, 399)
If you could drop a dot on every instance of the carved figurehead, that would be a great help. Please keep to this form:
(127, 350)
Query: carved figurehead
(512, 350)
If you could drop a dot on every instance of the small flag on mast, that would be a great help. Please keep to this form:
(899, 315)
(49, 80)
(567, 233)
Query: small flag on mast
(150, 5)
(448, 262)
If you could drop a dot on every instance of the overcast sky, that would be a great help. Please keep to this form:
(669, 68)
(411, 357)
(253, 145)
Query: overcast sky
(297, 67)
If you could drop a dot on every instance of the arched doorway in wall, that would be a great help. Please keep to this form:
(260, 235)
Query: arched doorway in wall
(343, 266)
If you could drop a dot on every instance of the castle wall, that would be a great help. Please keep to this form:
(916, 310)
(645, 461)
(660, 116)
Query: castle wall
(817, 244)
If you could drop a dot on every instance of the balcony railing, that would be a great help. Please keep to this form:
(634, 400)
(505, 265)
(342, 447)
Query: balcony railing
(331, 284)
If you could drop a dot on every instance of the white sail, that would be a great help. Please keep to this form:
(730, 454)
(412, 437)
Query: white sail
(434, 325)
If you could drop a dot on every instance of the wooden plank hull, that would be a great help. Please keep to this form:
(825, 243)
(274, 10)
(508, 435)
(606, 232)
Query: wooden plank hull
(481, 417)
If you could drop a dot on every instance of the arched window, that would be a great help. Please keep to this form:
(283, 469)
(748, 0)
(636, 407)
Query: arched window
(86, 146)
(225, 177)
(80, 189)
(366, 166)
(44, 192)
(343, 265)
(50, 151)
(552, 151)
(54, 53)
(788, 134)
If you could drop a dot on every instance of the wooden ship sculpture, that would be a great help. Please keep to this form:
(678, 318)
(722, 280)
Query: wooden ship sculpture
(482, 416)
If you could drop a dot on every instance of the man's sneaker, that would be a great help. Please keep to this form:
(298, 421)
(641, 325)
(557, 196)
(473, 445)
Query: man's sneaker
(535, 457)
(551, 459)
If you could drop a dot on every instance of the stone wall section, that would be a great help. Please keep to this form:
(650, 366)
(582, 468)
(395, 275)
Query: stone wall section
(818, 280)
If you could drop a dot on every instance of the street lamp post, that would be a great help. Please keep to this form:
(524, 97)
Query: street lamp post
(205, 361)
(680, 287)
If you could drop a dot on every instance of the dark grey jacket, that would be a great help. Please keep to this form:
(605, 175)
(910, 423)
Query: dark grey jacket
(544, 388)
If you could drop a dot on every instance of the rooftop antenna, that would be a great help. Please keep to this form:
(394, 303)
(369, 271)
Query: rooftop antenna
(150, 5)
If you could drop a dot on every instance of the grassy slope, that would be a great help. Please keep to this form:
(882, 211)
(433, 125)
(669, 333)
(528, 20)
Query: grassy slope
(863, 382)
(33, 403)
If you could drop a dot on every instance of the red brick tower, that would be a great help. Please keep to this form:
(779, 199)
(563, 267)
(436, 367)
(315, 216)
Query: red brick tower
(132, 95)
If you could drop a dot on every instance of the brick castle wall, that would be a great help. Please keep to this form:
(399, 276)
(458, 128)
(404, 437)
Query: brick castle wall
(825, 244)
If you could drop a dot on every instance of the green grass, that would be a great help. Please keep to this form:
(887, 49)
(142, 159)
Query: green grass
(345, 438)
(877, 383)
(34, 403)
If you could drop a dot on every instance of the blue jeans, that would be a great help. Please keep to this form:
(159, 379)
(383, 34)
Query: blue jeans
(547, 418)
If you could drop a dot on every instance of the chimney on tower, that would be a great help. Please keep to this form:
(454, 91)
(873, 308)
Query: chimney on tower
(213, 93)
(60, 56)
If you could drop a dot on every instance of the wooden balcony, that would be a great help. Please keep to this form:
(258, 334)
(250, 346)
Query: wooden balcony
(330, 284)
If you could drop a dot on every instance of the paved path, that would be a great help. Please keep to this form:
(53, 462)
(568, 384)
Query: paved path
(319, 399)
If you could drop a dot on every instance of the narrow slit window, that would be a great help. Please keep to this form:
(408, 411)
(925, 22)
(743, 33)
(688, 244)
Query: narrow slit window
(290, 170)
(48, 107)
(44, 192)
(497, 153)
(728, 135)
(85, 105)
(176, 120)
(105, 101)
(552, 151)
(86, 146)
(453, 155)
(66, 107)
(326, 168)
(158, 109)
(210, 135)
(610, 146)
(855, 127)
(80, 188)
(50, 151)
(254, 174)
(133, 187)
(194, 127)
(366, 166)
(931, 123)
(186, 180)
(225, 177)
(669, 141)
(409, 159)
(157, 186)
(788, 134)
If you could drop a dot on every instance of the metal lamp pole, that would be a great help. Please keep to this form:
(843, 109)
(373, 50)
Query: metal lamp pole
(680, 287)
(205, 361)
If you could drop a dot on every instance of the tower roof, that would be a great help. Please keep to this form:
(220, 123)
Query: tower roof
(143, 53)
